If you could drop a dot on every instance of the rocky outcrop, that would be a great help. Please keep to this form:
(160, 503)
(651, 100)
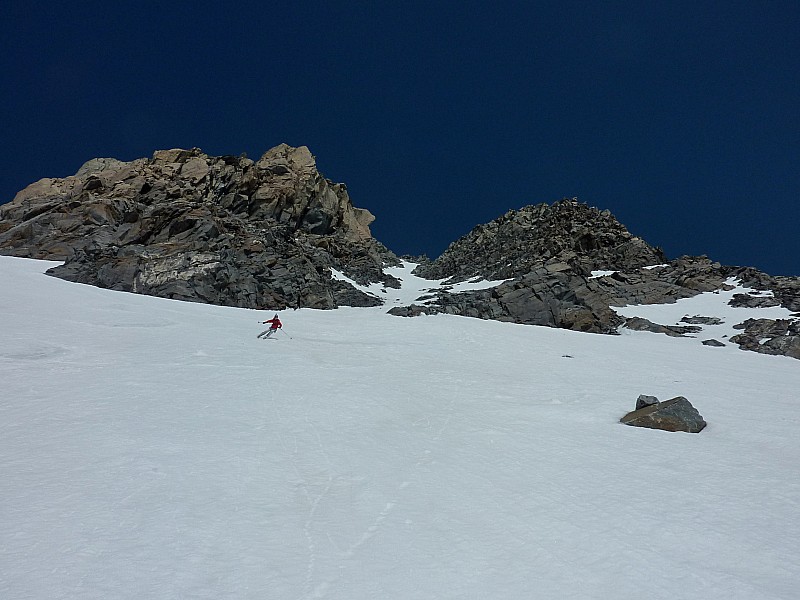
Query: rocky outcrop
(567, 265)
(414, 310)
(700, 320)
(770, 336)
(552, 295)
(786, 290)
(267, 233)
(676, 414)
(640, 324)
(182, 224)
(568, 232)
(547, 254)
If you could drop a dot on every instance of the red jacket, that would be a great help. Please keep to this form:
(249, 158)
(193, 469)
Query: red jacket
(275, 323)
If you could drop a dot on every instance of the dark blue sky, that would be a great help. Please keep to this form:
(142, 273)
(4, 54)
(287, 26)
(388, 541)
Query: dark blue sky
(682, 118)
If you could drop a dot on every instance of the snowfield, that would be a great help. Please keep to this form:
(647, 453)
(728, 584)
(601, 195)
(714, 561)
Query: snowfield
(151, 448)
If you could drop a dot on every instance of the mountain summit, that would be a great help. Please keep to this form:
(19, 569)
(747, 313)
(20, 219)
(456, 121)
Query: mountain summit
(568, 232)
(225, 230)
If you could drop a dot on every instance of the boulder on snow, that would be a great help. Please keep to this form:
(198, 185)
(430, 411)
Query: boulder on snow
(414, 310)
(644, 400)
(676, 414)
(699, 320)
(642, 324)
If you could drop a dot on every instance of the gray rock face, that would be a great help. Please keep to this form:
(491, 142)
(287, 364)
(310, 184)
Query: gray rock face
(548, 254)
(786, 290)
(676, 414)
(698, 320)
(640, 324)
(185, 225)
(753, 301)
(770, 336)
(548, 296)
(547, 258)
(568, 232)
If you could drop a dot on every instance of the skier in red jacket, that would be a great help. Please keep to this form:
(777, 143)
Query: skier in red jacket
(274, 325)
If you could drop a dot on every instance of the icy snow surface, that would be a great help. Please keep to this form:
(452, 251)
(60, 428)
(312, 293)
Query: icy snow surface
(156, 449)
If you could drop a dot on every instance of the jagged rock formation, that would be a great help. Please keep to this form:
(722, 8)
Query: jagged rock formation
(225, 230)
(786, 290)
(547, 254)
(265, 234)
(520, 241)
(770, 336)
(557, 294)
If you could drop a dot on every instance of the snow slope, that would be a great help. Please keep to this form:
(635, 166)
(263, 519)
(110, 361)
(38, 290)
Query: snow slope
(156, 449)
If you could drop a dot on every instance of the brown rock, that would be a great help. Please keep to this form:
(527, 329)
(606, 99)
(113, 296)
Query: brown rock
(676, 414)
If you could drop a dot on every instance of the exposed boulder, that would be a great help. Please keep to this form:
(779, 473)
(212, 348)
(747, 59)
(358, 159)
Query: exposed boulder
(713, 343)
(698, 320)
(414, 310)
(676, 414)
(185, 225)
(643, 400)
(640, 324)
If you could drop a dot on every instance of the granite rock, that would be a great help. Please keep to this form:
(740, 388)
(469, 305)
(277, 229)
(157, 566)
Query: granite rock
(219, 229)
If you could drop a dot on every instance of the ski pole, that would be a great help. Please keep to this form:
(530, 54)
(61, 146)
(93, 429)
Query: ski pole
(290, 337)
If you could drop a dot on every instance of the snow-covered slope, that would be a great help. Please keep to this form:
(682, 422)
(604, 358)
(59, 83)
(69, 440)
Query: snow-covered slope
(156, 449)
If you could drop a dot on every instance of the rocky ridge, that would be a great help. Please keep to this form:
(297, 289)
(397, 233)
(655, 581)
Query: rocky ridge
(568, 232)
(224, 230)
(265, 234)
(568, 264)
(547, 253)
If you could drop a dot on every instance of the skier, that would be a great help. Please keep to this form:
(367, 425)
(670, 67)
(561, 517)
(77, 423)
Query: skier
(274, 325)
